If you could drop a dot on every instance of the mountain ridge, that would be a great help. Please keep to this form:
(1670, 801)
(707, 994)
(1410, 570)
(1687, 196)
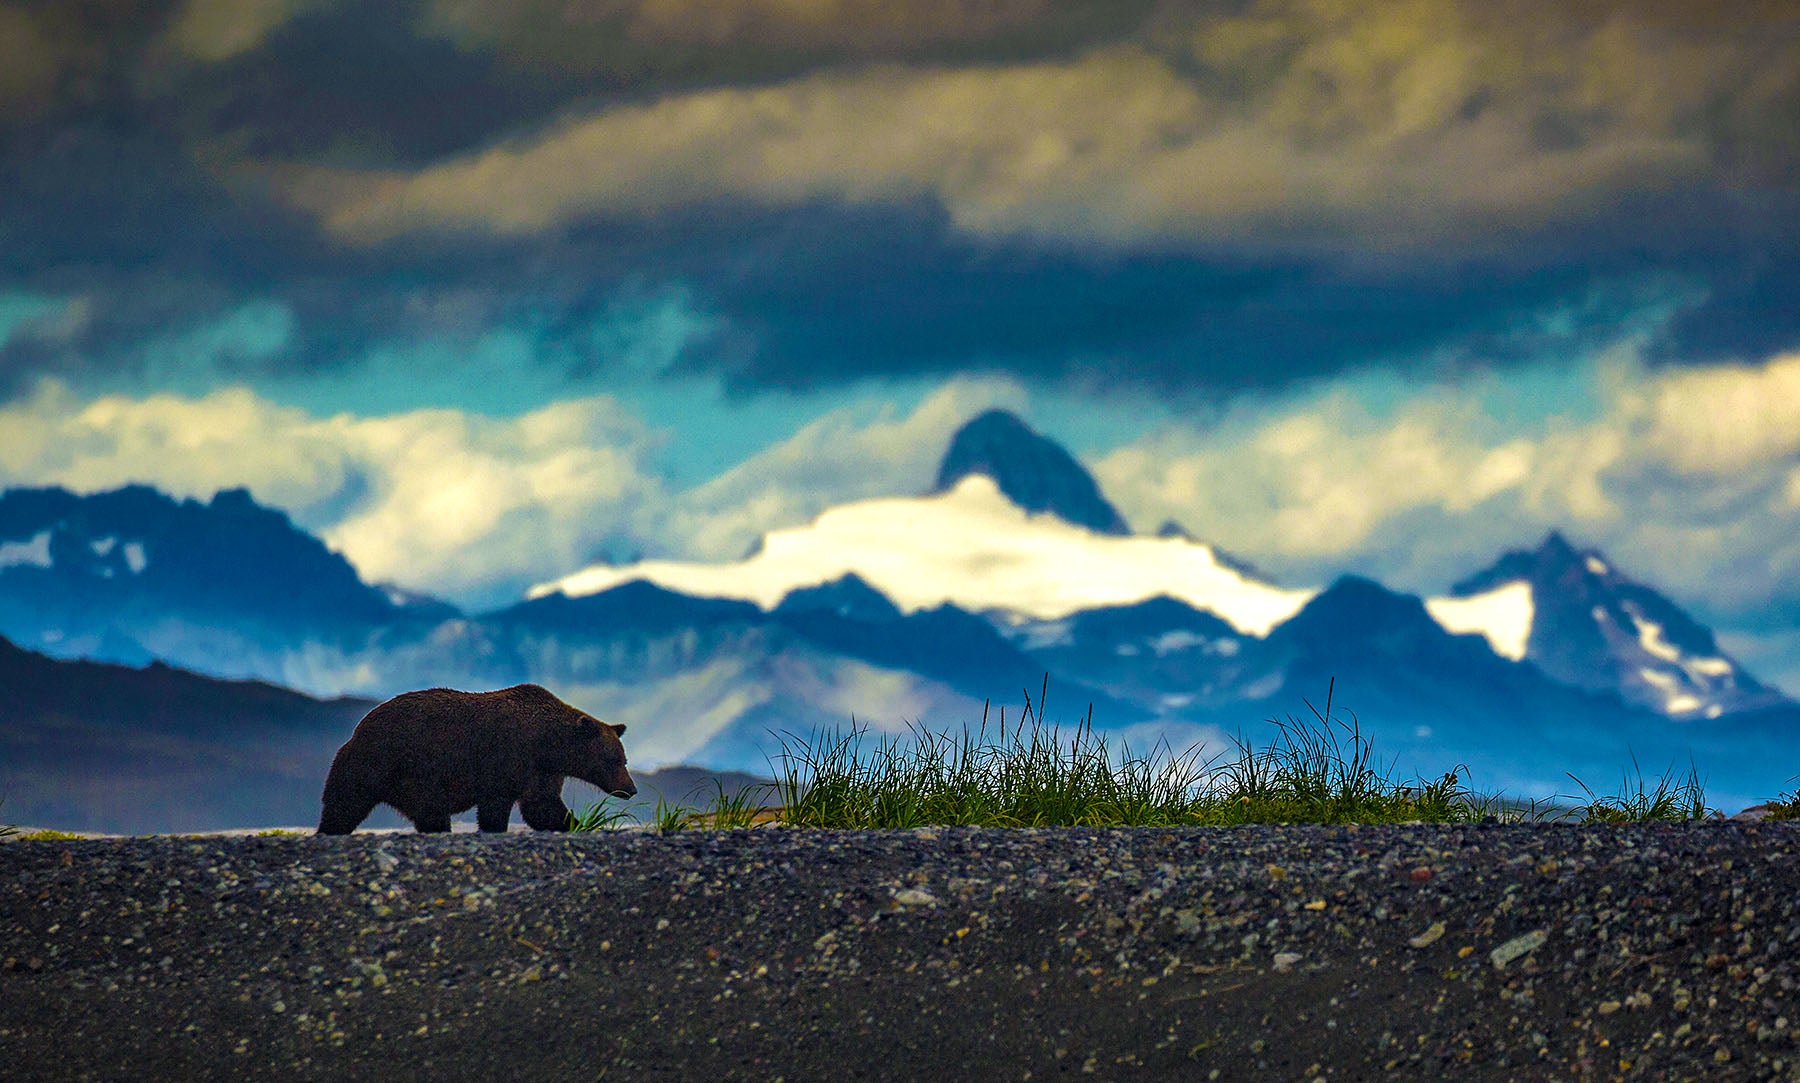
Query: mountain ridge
(1035, 473)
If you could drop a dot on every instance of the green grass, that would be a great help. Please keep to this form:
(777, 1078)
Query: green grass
(1785, 807)
(725, 811)
(1318, 768)
(1672, 799)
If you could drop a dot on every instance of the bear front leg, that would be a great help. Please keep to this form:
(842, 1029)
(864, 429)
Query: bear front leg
(542, 805)
(493, 815)
(343, 818)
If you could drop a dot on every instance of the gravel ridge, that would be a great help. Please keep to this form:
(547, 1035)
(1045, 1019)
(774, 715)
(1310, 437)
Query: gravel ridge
(1485, 951)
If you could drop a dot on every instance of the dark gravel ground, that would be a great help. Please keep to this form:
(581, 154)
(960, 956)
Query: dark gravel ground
(1286, 953)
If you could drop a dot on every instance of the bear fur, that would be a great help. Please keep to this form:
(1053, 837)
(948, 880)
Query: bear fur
(438, 751)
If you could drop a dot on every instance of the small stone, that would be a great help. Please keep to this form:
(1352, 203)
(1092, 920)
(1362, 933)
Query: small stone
(1285, 960)
(1607, 1007)
(913, 896)
(1517, 946)
(1429, 936)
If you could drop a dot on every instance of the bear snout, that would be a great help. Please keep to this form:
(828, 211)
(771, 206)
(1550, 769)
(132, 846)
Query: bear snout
(627, 789)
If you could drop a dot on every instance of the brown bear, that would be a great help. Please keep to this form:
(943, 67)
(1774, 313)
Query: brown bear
(439, 751)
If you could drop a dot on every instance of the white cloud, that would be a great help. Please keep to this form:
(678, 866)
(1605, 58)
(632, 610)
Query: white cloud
(839, 457)
(1727, 419)
(474, 507)
(434, 499)
(1690, 478)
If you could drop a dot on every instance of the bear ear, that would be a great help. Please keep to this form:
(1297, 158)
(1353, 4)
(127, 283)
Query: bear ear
(618, 729)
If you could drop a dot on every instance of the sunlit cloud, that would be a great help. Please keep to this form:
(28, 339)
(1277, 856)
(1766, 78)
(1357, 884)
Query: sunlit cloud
(1685, 476)
(436, 500)
(844, 455)
(1423, 122)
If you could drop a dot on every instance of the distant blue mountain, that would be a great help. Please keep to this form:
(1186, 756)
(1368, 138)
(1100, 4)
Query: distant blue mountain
(100, 747)
(638, 607)
(1034, 473)
(849, 597)
(105, 575)
(1595, 628)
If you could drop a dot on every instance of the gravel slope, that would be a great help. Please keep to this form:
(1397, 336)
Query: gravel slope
(1294, 953)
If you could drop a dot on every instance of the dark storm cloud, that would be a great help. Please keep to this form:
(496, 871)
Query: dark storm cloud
(1185, 199)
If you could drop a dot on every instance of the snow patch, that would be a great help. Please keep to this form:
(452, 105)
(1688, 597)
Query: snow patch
(1047, 634)
(1178, 640)
(1701, 670)
(135, 558)
(970, 547)
(102, 546)
(1597, 566)
(34, 552)
(1676, 698)
(1502, 615)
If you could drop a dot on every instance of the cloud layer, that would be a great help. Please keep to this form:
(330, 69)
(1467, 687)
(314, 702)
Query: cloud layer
(1174, 199)
(476, 507)
(1286, 124)
(1690, 479)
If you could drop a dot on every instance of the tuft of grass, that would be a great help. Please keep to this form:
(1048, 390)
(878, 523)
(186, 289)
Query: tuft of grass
(7, 830)
(726, 811)
(1672, 799)
(1785, 807)
(1319, 768)
(1030, 776)
(1322, 770)
(598, 817)
(736, 810)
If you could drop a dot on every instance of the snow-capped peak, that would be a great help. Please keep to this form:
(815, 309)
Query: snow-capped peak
(972, 547)
(1574, 615)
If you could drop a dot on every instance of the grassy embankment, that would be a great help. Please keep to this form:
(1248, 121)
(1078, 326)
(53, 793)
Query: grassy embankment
(1317, 769)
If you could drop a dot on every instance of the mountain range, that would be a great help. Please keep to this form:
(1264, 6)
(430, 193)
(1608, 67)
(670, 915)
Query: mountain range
(925, 608)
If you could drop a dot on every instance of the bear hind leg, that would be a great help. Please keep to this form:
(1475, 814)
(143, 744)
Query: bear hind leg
(493, 815)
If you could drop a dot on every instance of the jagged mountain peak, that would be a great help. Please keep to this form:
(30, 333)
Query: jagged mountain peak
(1554, 560)
(1034, 472)
(1594, 627)
(138, 550)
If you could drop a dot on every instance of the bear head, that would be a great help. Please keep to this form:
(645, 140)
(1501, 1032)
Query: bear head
(590, 750)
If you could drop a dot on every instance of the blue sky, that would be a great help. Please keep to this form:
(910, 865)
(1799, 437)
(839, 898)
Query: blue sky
(481, 290)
